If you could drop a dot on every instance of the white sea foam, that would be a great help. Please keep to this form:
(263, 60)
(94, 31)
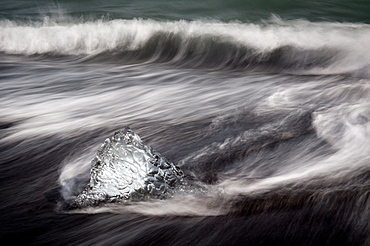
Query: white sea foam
(41, 105)
(70, 113)
(347, 128)
(349, 41)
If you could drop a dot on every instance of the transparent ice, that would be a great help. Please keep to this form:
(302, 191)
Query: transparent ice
(127, 169)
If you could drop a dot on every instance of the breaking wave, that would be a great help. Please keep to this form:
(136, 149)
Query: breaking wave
(275, 44)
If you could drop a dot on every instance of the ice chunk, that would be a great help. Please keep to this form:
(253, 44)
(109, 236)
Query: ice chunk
(127, 169)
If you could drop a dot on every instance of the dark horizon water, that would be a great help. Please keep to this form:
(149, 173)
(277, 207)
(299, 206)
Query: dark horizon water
(265, 103)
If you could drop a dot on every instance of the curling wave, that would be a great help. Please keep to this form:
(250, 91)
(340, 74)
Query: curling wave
(285, 45)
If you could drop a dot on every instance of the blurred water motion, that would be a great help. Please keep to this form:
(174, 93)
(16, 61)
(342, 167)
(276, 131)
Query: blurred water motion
(271, 117)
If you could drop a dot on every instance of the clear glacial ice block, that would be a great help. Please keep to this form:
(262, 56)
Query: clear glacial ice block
(127, 169)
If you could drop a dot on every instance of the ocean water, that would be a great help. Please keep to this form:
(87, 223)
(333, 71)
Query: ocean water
(265, 103)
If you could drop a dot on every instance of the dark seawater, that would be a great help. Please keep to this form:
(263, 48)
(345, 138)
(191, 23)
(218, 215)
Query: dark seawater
(266, 103)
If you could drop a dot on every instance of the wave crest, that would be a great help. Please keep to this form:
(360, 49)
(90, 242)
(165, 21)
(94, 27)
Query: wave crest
(281, 44)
